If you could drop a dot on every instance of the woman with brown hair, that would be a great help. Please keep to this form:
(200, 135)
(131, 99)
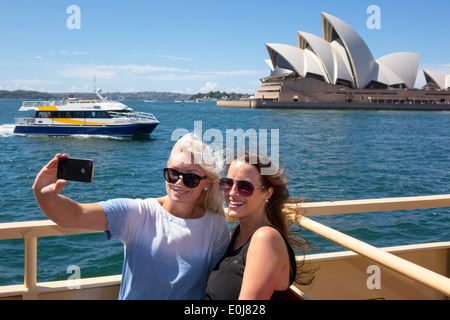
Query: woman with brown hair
(259, 262)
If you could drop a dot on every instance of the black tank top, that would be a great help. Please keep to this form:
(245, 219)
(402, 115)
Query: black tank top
(225, 281)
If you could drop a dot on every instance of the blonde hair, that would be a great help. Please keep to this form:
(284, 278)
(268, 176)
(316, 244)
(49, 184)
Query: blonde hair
(201, 154)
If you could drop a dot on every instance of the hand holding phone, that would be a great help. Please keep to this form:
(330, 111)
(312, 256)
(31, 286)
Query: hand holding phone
(81, 170)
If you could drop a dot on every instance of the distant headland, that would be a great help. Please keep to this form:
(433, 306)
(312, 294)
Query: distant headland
(143, 95)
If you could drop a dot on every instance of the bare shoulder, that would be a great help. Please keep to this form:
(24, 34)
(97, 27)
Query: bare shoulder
(268, 237)
(267, 251)
(161, 200)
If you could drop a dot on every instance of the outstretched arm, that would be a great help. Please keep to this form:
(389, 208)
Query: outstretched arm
(63, 210)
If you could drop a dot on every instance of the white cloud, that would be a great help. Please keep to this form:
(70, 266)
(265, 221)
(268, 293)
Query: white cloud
(153, 72)
(87, 72)
(130, 89)
(31, 84)
(235, 73)
(85, 88)
(34, 82)
(209, 86)
(236, 90)
(172, 57)
(109, 72)
(133, 68)
(443, 68)
(65, 52)
(138, 76)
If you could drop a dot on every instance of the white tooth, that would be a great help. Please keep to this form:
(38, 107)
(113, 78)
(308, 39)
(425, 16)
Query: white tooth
(178, 190)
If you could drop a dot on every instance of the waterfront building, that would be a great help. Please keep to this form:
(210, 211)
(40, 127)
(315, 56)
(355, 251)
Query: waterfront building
(340, 68)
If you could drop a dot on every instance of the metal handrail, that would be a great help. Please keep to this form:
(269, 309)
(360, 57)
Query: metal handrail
(54, 103)
(136, 115)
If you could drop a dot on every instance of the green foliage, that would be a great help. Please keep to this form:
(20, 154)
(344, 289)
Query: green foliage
(217, 95)
(35, 95)
(25, 94)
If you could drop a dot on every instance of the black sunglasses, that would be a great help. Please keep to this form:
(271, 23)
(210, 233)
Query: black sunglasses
(245, 188)
(190, 180)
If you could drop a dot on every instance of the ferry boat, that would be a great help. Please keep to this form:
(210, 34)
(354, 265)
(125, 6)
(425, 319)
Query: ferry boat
(407, 272)
(82, 116)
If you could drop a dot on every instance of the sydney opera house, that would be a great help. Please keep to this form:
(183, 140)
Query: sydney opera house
(340, 68)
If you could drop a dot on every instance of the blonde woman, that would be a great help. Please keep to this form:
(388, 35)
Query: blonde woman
(170, 242)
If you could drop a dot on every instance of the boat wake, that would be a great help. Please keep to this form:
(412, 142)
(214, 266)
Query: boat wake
(96, 136)
(6, 130)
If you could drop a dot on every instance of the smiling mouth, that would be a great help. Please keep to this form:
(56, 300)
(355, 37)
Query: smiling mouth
(178, 190)
(235, 203)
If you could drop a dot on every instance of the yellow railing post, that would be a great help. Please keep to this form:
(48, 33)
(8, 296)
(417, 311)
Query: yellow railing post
(30, 278)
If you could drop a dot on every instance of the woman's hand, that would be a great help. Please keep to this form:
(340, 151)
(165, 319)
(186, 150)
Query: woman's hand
(63, 210)
(46, 183)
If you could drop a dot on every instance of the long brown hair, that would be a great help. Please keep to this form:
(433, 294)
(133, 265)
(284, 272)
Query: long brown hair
(277, 210)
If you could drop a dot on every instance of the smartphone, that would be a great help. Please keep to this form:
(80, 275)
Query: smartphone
(81, 170)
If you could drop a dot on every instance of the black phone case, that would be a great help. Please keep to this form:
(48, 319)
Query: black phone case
(81, 170)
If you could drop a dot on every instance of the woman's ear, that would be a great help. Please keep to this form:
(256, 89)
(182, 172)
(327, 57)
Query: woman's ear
(269, 193)
(207, 185)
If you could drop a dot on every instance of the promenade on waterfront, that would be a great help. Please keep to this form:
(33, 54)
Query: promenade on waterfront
(254, 104)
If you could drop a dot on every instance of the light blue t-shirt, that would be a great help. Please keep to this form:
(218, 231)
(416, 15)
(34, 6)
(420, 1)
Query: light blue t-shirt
(165, 257)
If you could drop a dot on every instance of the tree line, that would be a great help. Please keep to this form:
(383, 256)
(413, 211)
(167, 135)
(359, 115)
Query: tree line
(217, 95)
(36, 95)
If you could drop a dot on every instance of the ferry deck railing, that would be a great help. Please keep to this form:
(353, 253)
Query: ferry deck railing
(30, 231)
(135, 116)
(55, 103)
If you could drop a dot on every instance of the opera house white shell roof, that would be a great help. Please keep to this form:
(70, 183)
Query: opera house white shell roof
(342, 57)
(440, 80)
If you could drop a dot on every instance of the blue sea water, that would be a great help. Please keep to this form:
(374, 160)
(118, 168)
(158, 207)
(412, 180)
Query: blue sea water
(328, 155)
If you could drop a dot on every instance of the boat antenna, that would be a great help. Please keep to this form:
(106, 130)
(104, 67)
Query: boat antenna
(97, 91)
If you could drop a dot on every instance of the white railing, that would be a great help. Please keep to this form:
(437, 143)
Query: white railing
(54, 103)
(133, 116)
(30, 231)
(24, 121)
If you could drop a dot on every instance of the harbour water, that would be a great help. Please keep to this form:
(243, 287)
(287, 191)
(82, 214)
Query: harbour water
(328, 155)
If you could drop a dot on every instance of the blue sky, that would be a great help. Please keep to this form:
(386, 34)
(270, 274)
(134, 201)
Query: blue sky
(192, 46)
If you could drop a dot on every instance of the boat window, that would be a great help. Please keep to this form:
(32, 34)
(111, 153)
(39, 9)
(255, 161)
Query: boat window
(42, 114)
(72, 114)
(76, 114)
(102, 114)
